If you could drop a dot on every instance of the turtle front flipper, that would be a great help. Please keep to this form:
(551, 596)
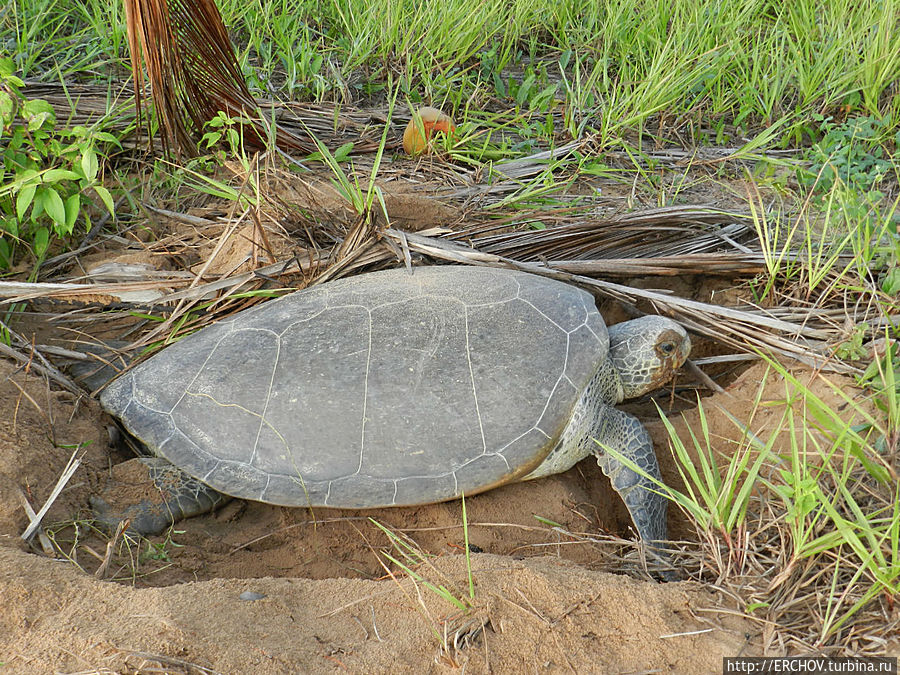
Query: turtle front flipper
(152, 494)
(628, 437)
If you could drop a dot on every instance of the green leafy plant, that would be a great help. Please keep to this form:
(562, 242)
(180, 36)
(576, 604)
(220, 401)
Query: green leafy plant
(853, 349)
(226, 129)
(49, 175)
(159, 550)
(850, 152)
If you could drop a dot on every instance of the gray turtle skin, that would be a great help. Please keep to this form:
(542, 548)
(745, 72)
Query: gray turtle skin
(396, 388)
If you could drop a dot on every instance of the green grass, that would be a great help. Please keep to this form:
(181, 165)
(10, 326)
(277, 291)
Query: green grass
(606, 67)
(818, 496)
(848, 242)
(413, 563)
(807, 518)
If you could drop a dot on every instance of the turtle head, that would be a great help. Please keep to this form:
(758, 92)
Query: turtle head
(646, 352)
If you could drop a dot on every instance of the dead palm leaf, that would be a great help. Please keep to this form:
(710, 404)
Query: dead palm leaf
(193, 73)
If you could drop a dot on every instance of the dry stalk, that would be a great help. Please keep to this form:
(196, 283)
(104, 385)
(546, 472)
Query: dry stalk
(67, 473)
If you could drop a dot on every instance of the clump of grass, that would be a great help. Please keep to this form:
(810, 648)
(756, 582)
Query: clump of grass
(410, 559)
(804, 526)
(847, 241)
(127, 557)
(717, 496)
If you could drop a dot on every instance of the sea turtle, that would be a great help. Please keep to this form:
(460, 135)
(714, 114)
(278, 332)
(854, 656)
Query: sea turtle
(396, 388)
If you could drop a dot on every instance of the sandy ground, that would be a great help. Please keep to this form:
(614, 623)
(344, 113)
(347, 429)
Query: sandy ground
(543, 600)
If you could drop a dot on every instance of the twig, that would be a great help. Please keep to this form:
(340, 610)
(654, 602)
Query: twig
(110, 547)
(46, 370)
(43, 538)
(70, 469)
(171, 661)
(704, 379)
(692, 632)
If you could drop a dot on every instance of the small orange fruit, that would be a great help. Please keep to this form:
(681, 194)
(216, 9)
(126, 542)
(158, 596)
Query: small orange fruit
(432, 121)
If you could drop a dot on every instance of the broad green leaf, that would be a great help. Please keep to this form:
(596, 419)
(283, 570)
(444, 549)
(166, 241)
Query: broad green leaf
(38, 210)
(41, 241)
(210, 138)
(6, 109)
(524, 89)
(57, 175)
(36, 106)
(891, 282)
(35, 122)
(73, 206)
(107, 137)
(11, 225)
(343, 152)
(7, 66)
(107, 199)
(24, 199)
(37, 111)
(53, 205)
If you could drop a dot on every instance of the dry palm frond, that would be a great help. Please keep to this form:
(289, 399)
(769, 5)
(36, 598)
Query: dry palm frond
(534, 164)
(803, 339)
(724, 264)
(193, 73)
(12, 292)
(659, 232)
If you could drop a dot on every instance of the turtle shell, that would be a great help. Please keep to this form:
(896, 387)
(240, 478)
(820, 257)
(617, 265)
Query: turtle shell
(388, 388)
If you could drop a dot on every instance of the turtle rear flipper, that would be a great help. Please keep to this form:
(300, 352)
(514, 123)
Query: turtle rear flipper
(152, 494)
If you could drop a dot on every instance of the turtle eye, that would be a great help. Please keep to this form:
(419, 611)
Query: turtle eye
(667, 347)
